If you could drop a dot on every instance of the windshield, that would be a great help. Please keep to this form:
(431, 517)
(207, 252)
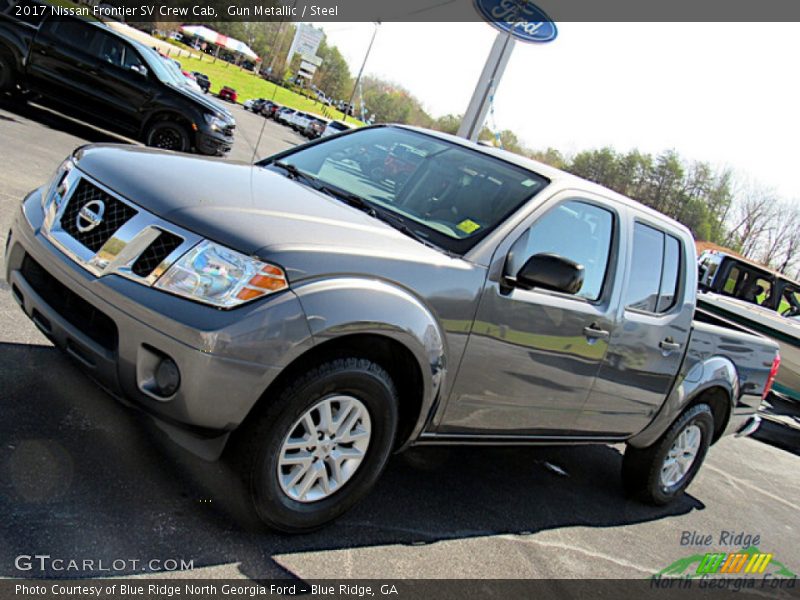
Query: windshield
(448, 194)
(161, 66)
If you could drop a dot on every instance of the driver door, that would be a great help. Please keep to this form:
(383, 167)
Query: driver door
(533, 354)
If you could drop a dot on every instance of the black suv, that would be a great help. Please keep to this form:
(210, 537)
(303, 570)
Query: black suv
(88, 69)
(202, 80)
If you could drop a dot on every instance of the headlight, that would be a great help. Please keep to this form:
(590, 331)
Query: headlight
(57, 185)
(224, 278)
(215, 122)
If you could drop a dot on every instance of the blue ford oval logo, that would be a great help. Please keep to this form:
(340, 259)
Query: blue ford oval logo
(526, 21)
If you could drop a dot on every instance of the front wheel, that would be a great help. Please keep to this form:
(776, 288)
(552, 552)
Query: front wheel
(168, 135)
(318, 448)
(660, 473)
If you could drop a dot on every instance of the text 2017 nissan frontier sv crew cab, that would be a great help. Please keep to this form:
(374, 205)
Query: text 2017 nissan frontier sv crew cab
(314, 316)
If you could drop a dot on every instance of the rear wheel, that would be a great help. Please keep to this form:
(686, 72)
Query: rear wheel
(319, 447)
(660, 473)
(168, 135)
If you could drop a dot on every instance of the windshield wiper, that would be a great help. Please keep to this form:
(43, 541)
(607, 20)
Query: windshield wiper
(358, 202)
(294, 172)
(352, 199)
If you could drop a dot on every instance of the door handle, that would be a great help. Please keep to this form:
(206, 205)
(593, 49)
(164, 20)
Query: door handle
(594, 332)
(669, 345)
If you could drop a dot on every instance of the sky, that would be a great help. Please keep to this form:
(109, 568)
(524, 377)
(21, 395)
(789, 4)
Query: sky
(725, 93)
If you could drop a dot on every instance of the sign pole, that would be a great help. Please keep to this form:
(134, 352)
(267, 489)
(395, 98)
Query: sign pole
(489, 80)
(517, 20)
(360, 72)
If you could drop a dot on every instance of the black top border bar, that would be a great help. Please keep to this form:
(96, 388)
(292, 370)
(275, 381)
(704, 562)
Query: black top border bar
(442, 11)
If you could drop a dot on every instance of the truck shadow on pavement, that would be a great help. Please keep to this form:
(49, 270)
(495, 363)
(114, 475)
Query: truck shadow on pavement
(52, 119)
(83, 477)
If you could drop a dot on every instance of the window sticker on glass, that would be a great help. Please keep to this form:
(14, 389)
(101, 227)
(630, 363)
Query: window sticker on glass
(468, 226)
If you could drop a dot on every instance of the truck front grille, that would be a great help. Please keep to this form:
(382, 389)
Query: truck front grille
(155, 253)
(115, 215)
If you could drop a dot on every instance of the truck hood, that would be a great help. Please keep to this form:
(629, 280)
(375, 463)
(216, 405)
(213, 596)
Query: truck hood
(245, 207)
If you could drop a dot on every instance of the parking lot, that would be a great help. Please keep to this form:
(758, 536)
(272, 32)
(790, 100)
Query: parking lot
(83, 477)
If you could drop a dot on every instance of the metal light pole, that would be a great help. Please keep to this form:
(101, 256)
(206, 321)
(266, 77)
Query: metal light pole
(360, 72)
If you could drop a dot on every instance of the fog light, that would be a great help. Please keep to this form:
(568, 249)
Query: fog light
(167, 377)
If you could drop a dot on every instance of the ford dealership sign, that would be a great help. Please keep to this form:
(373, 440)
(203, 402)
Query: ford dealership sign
(523, 19)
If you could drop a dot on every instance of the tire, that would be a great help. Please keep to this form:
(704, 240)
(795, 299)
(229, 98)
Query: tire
(168, 135)
(260, 454)
(8, 73)
(644, 472)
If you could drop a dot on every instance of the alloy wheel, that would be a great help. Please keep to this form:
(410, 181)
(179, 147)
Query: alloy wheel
(324, 448)
(681, 456)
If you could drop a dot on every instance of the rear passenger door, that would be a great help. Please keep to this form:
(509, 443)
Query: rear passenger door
(61, 65)
(646, 350)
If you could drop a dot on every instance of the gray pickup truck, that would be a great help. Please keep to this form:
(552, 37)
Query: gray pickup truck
(386, 287)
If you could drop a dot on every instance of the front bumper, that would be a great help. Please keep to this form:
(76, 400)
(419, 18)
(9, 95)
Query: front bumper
(213, 142)
(227, 359)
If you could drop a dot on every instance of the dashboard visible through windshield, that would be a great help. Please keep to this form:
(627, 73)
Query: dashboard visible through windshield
(446, 193)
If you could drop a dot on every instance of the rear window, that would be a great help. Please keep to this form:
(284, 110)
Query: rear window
(76, 33)
(748, 285)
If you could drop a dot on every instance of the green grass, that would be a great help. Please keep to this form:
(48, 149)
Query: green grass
(248, 85)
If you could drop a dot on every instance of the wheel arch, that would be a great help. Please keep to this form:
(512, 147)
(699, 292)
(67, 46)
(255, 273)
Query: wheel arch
(171, 115)
(713, 381)
(395, 357)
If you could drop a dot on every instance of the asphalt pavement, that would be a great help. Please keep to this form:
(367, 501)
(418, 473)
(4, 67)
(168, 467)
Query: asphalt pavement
(82, 477)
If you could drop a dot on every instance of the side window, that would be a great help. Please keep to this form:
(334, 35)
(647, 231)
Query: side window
(131, 59)
(668, 293)
(790, 302)
(730, 283)
(109, 50)
(575, 230)
(76, 33)
(655, 270)
(645, 278)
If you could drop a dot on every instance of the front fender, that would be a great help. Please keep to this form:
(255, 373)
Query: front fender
(714, 372)
(352, 305)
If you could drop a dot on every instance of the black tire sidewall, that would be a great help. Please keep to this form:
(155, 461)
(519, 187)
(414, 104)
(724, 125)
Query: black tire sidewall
(171, 125)
(272, 505)
(700, 415)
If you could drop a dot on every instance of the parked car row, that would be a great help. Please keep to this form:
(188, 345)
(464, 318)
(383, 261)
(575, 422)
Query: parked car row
(310, 125)
(307, 124)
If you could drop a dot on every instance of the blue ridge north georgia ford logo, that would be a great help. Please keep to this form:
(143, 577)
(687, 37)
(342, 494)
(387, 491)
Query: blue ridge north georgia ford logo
(524, 20)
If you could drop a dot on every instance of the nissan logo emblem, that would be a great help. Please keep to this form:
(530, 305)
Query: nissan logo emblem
(90, 215)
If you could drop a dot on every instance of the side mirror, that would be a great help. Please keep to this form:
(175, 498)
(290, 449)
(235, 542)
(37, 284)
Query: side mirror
(551, 272)
(140, 69)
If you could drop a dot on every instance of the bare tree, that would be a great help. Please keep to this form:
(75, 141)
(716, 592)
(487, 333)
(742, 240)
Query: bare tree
(751, 216)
